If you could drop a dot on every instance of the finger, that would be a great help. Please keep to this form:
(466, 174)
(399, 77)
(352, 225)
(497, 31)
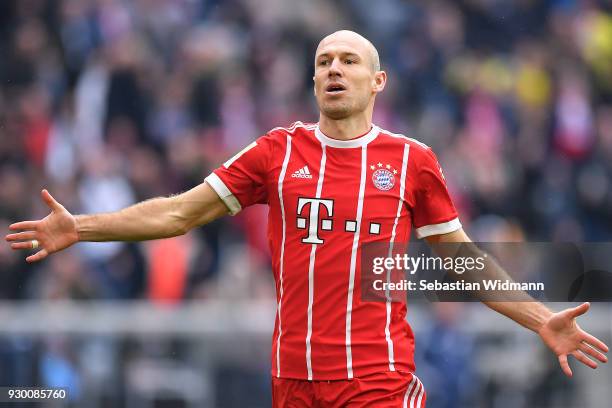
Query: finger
(579, 310)
(40, 255)
(594, 341)
(22, 245)
(565, 365)
(50, 201)
(21, 236)
(23, 225)
(592, 352)
(580, 356)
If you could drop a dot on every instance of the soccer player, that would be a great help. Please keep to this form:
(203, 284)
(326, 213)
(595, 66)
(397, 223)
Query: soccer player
(332, 186)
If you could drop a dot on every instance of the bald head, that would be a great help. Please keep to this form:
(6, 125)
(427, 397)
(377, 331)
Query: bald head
(353, 38)
(347, 76)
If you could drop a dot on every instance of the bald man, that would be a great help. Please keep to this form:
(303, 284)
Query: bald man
(332, 187)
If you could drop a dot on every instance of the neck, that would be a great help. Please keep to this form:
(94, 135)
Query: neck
(347, 128)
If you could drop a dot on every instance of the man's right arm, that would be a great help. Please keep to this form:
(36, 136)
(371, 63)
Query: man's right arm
(161, 217)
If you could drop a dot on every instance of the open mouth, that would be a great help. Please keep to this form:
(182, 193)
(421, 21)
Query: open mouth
(335, 88)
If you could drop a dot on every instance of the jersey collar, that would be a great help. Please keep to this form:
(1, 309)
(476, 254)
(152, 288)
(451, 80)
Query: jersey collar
(352, 143)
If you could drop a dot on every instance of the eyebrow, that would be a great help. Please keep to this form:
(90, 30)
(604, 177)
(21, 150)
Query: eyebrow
(342, 53)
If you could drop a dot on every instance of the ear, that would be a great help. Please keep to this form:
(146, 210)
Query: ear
(379, 82)
(314, 86)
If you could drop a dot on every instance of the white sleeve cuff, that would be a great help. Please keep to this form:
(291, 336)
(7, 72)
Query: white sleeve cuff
(438, 229)
(224, 193)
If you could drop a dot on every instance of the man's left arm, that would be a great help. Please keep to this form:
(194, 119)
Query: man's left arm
(559, 331)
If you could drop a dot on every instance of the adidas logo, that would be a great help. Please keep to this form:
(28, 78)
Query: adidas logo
(302, 173)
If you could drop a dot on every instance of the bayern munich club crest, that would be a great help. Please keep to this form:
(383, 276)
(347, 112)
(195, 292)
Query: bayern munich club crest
(383, 176)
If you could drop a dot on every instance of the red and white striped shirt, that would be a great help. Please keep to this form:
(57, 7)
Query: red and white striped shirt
(328, 197)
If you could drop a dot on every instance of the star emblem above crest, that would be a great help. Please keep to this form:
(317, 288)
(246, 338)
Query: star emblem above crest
(380, 165)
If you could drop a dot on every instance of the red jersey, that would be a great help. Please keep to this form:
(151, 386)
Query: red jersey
(327, 197)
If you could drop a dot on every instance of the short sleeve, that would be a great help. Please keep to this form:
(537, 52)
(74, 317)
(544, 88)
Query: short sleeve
(433, 212)
(242, 180)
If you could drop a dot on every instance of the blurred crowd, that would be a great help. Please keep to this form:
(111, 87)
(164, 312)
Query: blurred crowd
(110, 102)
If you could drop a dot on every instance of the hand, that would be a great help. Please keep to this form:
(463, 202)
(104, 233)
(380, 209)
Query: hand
(54, 232)
(563, 336)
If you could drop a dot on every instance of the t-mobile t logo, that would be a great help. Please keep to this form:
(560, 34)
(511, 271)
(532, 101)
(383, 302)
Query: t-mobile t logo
(313, 218)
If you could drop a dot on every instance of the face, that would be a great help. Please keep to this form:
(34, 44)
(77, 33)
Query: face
(345, 82)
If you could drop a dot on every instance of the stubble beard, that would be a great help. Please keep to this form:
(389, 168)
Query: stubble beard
(338, 109)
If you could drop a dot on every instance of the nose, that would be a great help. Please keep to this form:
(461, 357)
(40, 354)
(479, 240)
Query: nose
(335, 67)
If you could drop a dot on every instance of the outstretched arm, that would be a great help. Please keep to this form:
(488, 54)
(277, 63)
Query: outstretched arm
(161, 217)
(559, 331)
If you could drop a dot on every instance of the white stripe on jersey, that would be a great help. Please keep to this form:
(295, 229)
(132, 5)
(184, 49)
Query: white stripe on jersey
(281, 178)
(391, 242)
(311, 270)
(420, 397)
(409, 390)
(240, 153)
(224, 193)
(293, 127)
(351, 285)
(438, 229)
(417, 395)
(405, 137)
